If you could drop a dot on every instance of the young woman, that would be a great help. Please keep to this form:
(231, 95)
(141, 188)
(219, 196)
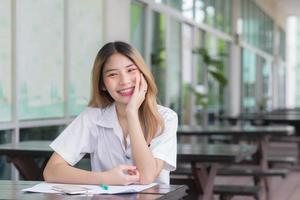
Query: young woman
(130, 139)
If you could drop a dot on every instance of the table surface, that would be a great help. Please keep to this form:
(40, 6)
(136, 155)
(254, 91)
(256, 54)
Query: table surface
(214, 153)
(236, 130)
(185, 152)
(12, 190)
(265, 116)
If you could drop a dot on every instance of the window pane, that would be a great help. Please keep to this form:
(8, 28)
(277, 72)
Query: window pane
(249, 79)
(158, 54)
(40, 133)
(40, 58)
(5, 169)
(199, 11)
(137, 35)
(267, 85)
(186, 7)
(281, 73)
(186, 74)
(173, 65)
(5, 61)
(218, 49)
(85, 19)
(257, 26)
(199, 68)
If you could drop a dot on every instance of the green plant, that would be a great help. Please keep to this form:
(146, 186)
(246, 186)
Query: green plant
(214, 66)
(261, 104)
(201, 95)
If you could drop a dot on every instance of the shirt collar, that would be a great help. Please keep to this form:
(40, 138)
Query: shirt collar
(108, 116)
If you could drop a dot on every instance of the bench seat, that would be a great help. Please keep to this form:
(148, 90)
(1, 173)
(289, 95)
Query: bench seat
(228, 191)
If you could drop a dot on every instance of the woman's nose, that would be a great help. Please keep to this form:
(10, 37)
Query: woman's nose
(124, 79)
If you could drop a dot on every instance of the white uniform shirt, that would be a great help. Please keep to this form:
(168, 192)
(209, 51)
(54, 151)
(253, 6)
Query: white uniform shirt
(98, 132)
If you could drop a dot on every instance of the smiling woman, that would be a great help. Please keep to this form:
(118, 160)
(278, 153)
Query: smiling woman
(123, 114)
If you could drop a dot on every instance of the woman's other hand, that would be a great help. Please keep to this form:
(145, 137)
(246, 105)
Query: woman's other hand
(122, 175)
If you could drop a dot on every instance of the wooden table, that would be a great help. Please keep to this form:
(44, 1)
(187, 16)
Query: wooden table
(12, 190)
(205, 160)
(266, 118)
(239, 131)
(22, 156)
(259, 134)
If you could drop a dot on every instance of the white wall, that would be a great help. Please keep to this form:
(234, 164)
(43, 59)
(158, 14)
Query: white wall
(116, 20)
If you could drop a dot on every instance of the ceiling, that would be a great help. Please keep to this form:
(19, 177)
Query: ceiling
(290, 7)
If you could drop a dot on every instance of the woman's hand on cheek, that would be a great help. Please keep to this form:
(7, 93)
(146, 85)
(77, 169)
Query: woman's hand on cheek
(138, 95)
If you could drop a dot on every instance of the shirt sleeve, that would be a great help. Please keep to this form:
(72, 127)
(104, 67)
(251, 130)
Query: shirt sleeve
(164, 146)
(75, 141)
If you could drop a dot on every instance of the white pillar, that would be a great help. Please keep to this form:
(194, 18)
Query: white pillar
(235, 66)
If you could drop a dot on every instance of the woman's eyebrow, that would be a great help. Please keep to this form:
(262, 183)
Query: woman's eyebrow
(113, 69)
(109, 70)
(129, 65)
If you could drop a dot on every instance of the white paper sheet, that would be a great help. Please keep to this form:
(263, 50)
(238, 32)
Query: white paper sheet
(92, 189)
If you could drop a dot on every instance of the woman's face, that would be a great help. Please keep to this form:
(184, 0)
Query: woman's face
(119, 76)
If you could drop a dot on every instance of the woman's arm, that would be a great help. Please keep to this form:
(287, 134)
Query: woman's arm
(148, 166)
(59, 171)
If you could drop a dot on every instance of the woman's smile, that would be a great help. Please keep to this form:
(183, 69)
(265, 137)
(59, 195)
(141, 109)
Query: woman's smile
(126, 91)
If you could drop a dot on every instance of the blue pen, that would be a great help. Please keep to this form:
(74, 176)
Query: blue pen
(104, 187)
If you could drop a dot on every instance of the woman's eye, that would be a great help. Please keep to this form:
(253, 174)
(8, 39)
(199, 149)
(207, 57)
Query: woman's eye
(131, 70)
(111, 75)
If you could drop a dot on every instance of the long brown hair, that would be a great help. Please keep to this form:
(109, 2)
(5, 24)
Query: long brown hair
(150, 118)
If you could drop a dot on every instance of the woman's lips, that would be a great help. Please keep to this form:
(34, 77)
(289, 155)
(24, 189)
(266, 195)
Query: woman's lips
(126, 91)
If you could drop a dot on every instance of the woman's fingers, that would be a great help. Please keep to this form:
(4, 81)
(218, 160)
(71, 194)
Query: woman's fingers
(137, 84)
(144, 85)
(131, 173)
(127, 167)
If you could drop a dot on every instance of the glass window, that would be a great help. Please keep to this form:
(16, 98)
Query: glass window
(187, 73)
(220, 14)
(137, 33)
(282, 43)
(84, 19)
(257, 26)
(173, 65)
(158, 54)
(199, 11)
(266, 85)
(210, 12)
(248, 80)
(186, 7)
(40, 58)
(217, 49)
(5, 61)
(228, 16)
(199, 68)
(40, 133)
(5, 168)
(281, 73)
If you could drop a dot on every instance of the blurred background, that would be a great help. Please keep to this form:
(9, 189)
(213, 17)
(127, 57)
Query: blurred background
(209, 57)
